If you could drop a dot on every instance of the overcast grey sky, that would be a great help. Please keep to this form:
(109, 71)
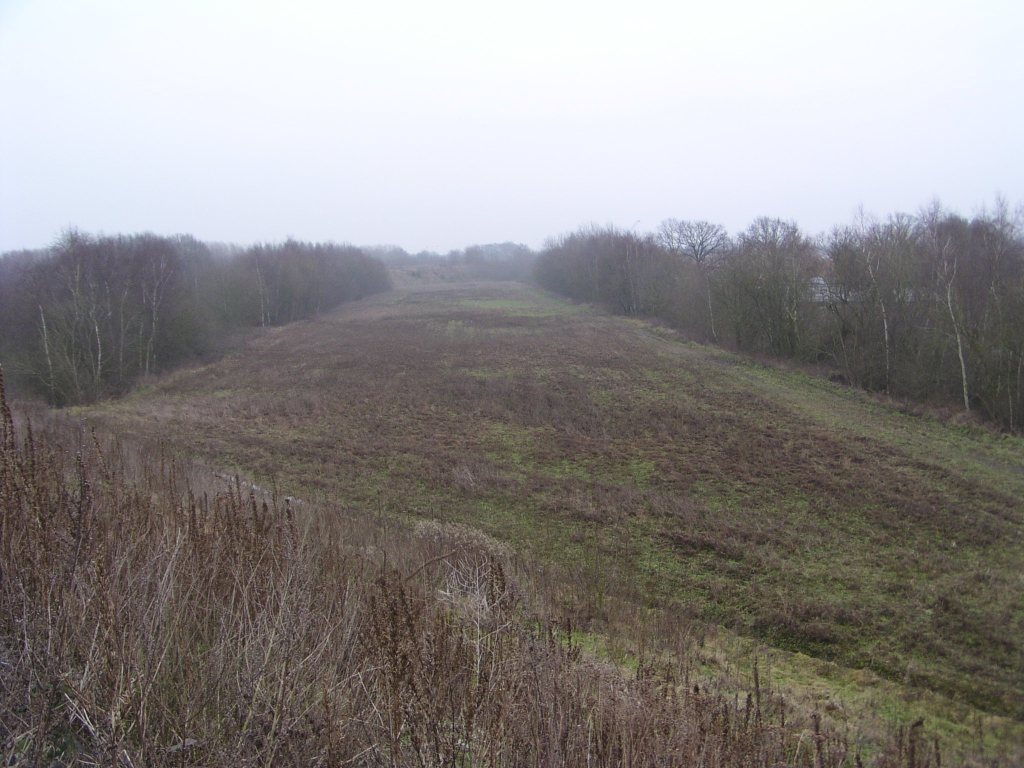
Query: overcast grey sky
(440, 124)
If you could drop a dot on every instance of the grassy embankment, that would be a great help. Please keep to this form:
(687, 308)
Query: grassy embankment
(154, 613)
(879, 554)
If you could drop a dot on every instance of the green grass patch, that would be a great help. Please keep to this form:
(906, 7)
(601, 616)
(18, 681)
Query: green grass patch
(798, 514)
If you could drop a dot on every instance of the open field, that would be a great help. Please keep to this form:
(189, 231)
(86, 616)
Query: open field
(667, 477)
(156, 612)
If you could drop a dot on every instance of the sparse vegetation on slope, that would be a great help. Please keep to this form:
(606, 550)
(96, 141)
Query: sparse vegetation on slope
(673, 477)
(153, 613)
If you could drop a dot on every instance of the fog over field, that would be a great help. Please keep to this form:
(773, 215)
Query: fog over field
(435, 125)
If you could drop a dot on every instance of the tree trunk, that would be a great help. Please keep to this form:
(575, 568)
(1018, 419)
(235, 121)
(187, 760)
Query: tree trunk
(959, 343)
(711, 311)
(49, 360)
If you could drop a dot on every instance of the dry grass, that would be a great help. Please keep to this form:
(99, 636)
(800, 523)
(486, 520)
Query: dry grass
(670, 476)
(153, 613)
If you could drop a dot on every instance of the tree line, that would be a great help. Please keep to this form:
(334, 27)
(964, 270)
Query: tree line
(88, 316)
(506, 261)
(928, 307)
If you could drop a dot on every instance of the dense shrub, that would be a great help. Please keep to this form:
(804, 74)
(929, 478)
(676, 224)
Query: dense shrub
(87, 317)
(927, 307)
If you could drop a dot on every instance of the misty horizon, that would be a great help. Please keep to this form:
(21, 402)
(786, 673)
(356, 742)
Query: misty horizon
(434, 128)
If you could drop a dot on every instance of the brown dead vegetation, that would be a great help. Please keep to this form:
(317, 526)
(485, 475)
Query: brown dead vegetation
(152, 613)
(654, 468)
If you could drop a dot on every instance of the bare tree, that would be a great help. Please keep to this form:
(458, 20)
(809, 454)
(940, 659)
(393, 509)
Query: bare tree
(869, 292)
(701, 241)
(943, 240)
(768, 285)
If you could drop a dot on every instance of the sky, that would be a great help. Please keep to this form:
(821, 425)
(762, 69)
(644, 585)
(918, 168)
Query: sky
(435, 125)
